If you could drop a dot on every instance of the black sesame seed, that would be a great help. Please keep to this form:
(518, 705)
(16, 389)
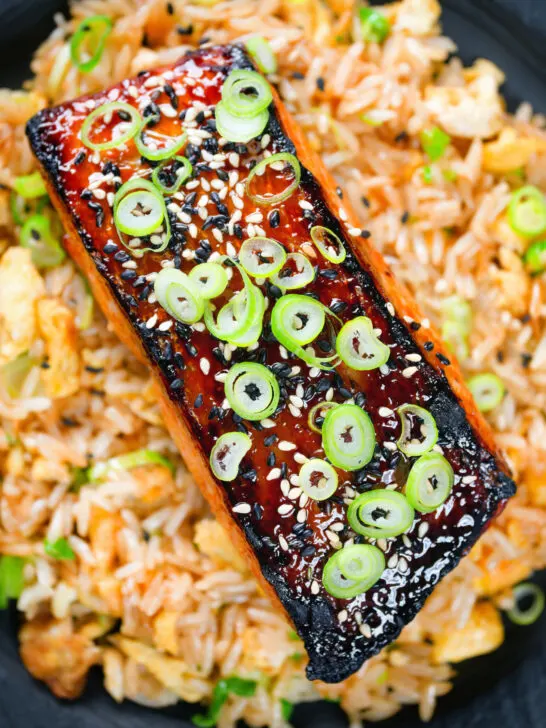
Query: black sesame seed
(525, 318)
(298, 528)
(80, 156)
(68, 422)
(328, 273)
(405, 217)
(198, 401)
(128, 275)
(323, 385)
(309, 550)
(270, 440)
(338, 306)
(258, 511)
(187, 30)
(205, 39)
(415, 326)
(242, 428)
(271, 459)
(401, 137)
(500, 356)
(275, 219)
(190, 348)
(284, 470)
(365, 234)
(170, 8)
(122, 257)
(222, 174)
(86, 194)
(526, 360)
(298, 75)
(443, 359)
(345, 393)
(110, 247)
(428, 346)
(176, 384)
(339, 192)
(251, 475)
(365, 201)
(320, 83)
(360, 399)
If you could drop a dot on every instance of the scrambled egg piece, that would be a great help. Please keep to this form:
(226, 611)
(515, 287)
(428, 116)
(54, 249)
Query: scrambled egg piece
(57, 326)
(470, 111)
(513, 282)
(483, 633)
(535, 480)
(419, 17)
(20, 287)
(265, 649)
(505, 574)
(213, 541)
(165, 632)
(510, 151)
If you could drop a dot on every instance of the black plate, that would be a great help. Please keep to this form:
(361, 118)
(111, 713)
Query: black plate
(503, 690)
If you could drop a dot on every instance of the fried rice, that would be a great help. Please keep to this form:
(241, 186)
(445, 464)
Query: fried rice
(156, 594)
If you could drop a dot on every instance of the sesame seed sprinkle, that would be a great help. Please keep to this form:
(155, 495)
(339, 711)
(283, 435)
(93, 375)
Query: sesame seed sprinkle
(241, 508)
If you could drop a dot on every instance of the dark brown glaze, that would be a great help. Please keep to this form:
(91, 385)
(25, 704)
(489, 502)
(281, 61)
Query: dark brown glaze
(339, 635)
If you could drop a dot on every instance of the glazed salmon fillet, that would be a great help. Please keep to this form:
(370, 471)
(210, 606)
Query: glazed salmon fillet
(286, 532)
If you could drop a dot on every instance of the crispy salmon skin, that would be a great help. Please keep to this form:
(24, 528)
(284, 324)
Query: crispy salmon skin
(286, 537)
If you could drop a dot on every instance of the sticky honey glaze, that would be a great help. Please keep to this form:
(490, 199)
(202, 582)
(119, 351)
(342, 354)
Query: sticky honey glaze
(292, 548)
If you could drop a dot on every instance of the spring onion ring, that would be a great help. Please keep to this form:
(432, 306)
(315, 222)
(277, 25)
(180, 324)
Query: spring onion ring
(296, 272)
(318, 479)
(297, 320)
(380, 514)
(535, 257)
(363, 559)
(262, 257)
(488, 391)
(257, 171)
(140, 212)
(348, 437)
(430, 482)
(262, 54)
(30, 186)
(328, 243)
(182, 170)
(319, 412)
(527, 211)
(238, 129)
(239, 314)
(252, 390)
(173, 144)
(359, 347)
(522, 592)
(211, 279)
(419, 432)
(179, 295)
(36, 235)
(252, 334)
(227, 453)
(135, 459)
(108, 110)
(97, 29)
(245, 94)
(374, 26)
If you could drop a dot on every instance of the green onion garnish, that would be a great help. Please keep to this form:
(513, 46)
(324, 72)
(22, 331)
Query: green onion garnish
(126, 114)
(427, 174)
(21, 209)
(359, 347)
(243, 312)
(135, 459)
(457, 309)
(261, 52)
(434, 142)
(238, 129)
(262, 257)
(245, 94)
(488, 391)
(179, 295)
(522, 593)
(180, 171)
(30, 186)
(227, 453)
(157, 147)
(236, 685)
(280, 162)
(36, 235)
(318, 479)
(88, 42)
(535, 257)
(318, 412)
(252, 390)
(328, 244)
(140, 210)
(429, 483)
(348, 437)
(210, 278)
(374, 26)
(59, 550)
(419, 432)
(380, 514)
(453, 333)
(287, 708)
(11, 578)
(297, 272)
(527, 211)
(353, 570)
(13, 374)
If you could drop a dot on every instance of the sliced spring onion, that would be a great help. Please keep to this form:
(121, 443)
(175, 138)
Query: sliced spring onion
(427, 174)
(210, 278)
(429, 483)
(252, 334)
(14, 373)
(279, 162)
(457, 309)
(36, 235)
(453, 333)
(87, 44)
(252, 390)
(535, 257)
(22, 209)
(318, 479)
(296, 272)
(181, 170)
(328, 244)
(236, 685)
(359, 347)
(30, 186)
(297, 320)
(348, 437)
(364, 559)
(179, 295)
(246, 94)
(126, 113)
(243, 311)
(434, 142)
(11, 578)
(153, 151)
(380, 514)
(238, 129)
(261, 52)
(374, 26)
(227, 453)
(535, 596)
(527, 211)
(419, 432)
(60, 550)
(144, 213)
(487, 389)
(317, 414)
(262, 257)
(135, 459)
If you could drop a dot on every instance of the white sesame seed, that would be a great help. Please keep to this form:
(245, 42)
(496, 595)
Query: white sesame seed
(382, 544)
(218, 235)
(165, 326)
(314, 372)
(403, 565)
(385, 412)
(423, 528)
(274, 474)
(332, 536)
(467, 479)
(285, 509)
(152, 82)
(167, 110)
(390, 446)
(304, 499)
(355, 232)
(294, 410)
(283, 543)
(296, 401)
(129, 264)
(409, 372)
(99, 194)
(265, 141)
(241, 508)
(302, 516)
(254, 217)
(220, 377)
(305, 205)
(294, 493)
(267, 423)
(315, 587)
(194, 232)
(285, 487)
(390, 308)
(406, 541)
(414, 357)
(294, 479)
(365, 630)
(337, 527)
(286, 446)
(204, 365)
(329, 395)
(151, 322)
(234, 159)
(393, 561)
(342, 616)
(343, 214)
